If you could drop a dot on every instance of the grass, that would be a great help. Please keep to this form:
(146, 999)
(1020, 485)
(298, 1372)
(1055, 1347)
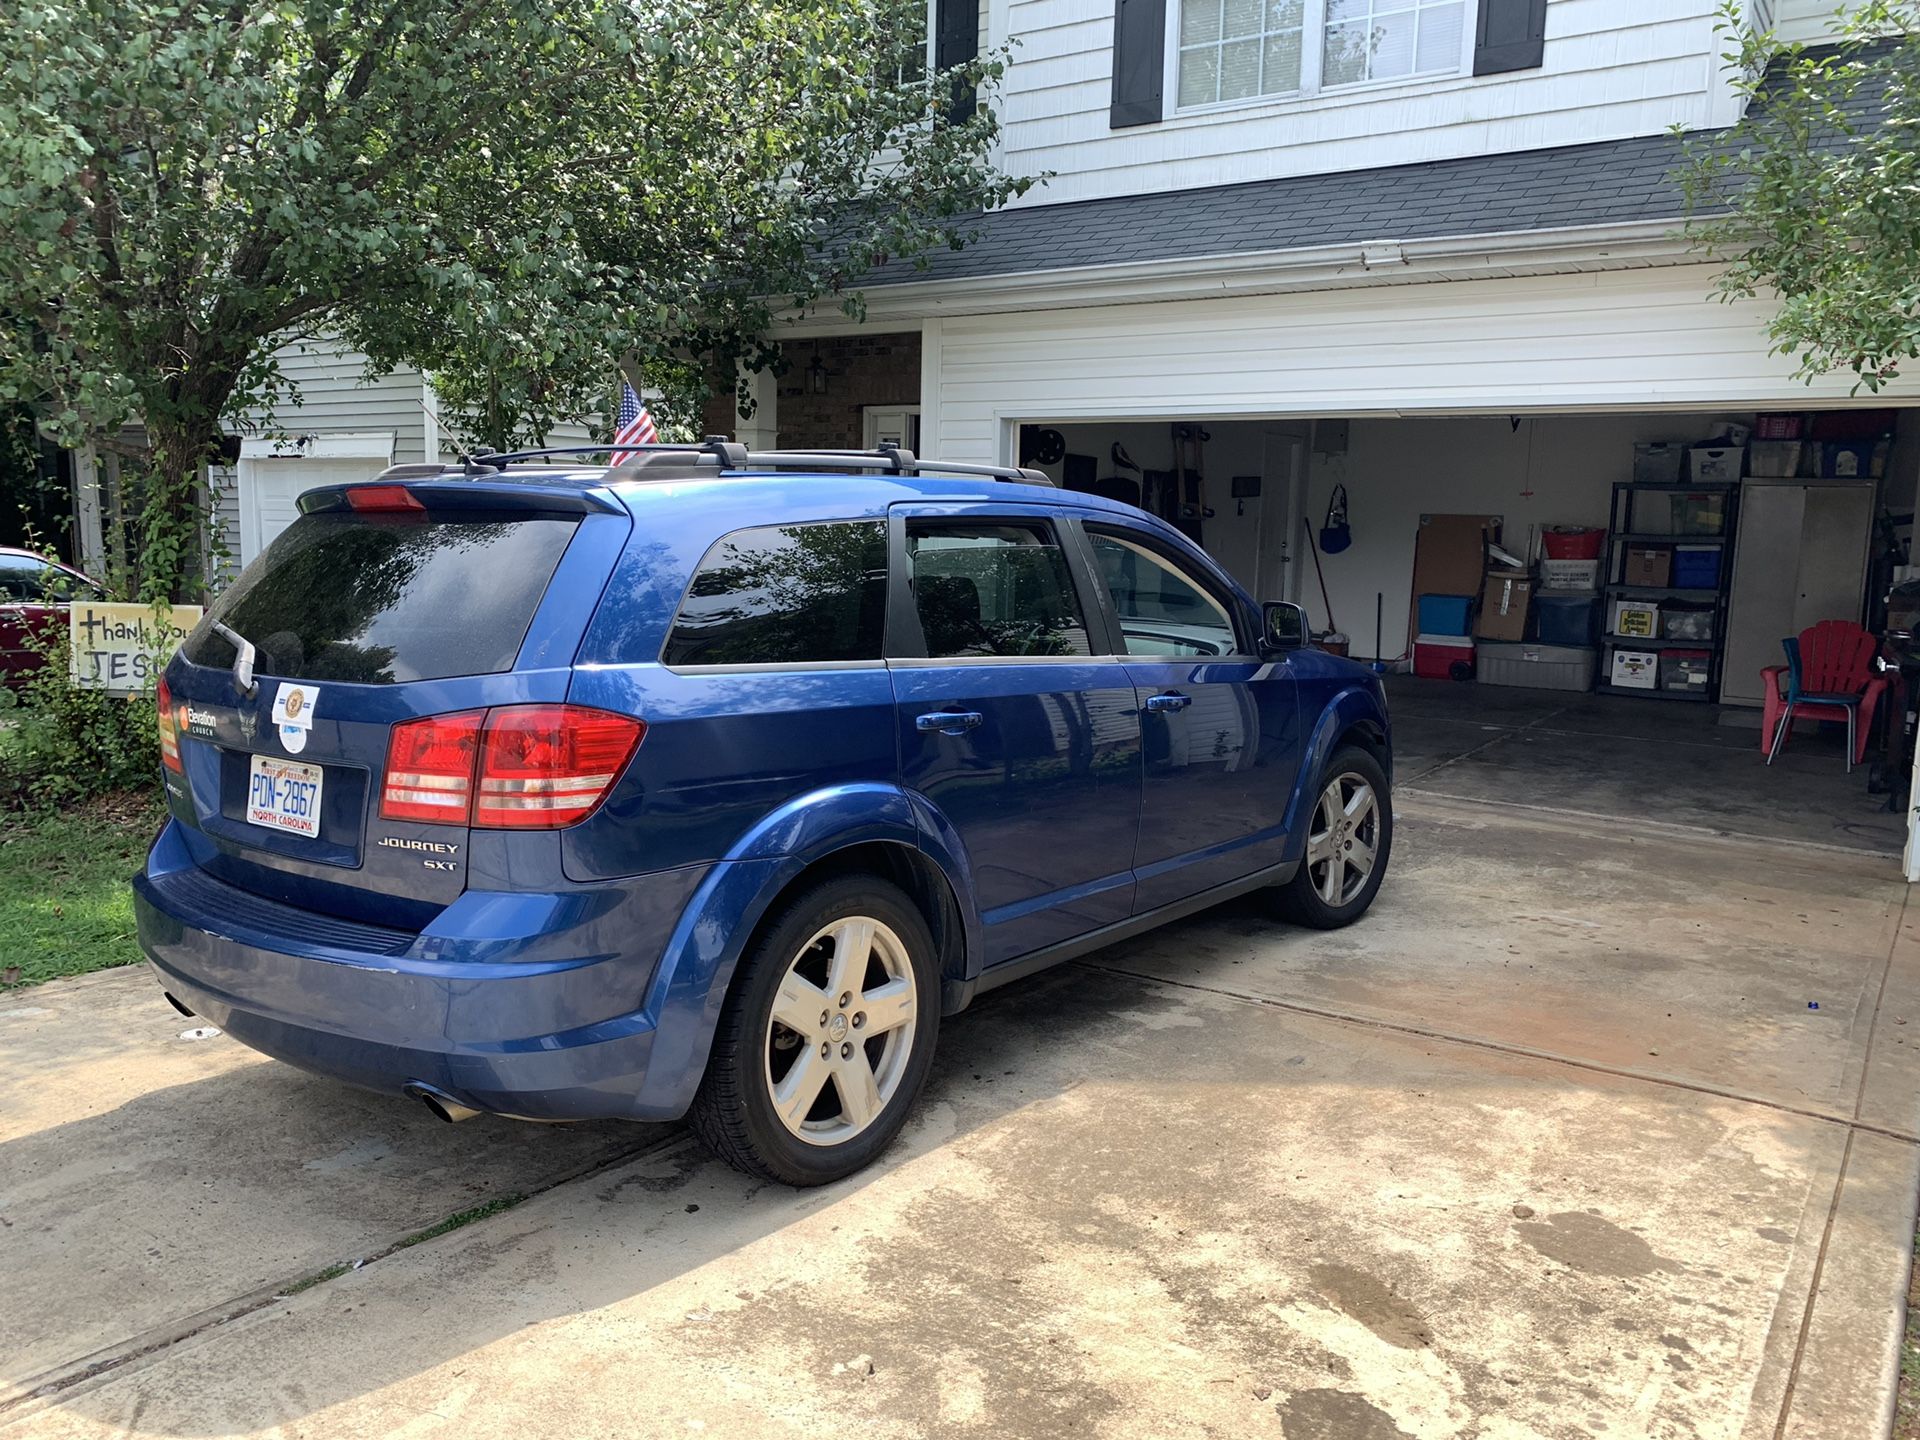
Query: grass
(65, 905)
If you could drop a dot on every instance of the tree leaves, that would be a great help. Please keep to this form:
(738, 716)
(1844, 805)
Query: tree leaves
(1814, 197)
(511, 194)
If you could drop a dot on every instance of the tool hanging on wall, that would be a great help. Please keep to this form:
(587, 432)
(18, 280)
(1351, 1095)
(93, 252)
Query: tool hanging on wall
(1190, 502)
(1307, 525)
(1336, 535)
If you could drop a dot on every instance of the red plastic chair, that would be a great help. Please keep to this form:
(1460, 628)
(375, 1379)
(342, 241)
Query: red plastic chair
(1836, 659)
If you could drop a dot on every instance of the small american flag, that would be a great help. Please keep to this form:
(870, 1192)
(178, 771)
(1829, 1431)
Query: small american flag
(636, 425)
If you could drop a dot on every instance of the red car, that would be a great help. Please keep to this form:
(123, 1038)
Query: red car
(34, 592)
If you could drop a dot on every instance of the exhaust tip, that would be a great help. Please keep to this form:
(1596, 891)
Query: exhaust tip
(440, 1104)
(174, 1001)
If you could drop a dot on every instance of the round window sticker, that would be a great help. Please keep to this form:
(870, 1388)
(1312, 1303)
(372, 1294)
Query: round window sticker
(294, 737)
(296, 702)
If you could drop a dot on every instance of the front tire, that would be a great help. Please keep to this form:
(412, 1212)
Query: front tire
(1349, 841)
(826, 1036)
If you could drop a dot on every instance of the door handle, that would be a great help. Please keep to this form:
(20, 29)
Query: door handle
(1166, 704)
(949, 722)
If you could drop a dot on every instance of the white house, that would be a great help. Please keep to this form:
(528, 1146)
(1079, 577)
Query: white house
(1425, 250)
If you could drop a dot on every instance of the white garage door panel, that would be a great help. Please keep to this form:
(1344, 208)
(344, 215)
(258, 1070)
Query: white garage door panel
(271, 485)
(1618, 340)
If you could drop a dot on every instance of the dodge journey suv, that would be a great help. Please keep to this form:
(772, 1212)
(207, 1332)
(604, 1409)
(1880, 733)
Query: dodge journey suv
(707, 784)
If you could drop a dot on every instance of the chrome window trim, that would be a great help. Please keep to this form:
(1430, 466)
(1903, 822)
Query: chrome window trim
(774, 667)
(927, 662)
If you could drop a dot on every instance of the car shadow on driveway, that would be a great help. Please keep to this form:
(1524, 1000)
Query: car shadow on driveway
(1119, 1202)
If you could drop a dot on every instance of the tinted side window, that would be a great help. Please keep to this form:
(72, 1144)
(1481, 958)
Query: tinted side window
(786, 594)
(1161, 610)
(21, 579)
(994, 590)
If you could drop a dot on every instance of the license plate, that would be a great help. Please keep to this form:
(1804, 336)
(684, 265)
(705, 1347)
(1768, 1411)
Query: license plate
(284, 795)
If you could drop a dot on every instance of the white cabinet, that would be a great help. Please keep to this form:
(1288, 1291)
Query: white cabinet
(1801, 557)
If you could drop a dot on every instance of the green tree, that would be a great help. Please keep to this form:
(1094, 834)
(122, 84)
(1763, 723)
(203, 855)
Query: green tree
(1814, 196)
(514, 194)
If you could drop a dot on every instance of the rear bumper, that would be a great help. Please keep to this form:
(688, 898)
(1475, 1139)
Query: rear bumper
(551, 1025)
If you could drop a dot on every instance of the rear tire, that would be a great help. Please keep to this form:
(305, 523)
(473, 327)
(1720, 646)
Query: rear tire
(1349, 842)
(826, 1036)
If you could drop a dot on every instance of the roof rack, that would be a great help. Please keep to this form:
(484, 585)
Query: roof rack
(717, 452)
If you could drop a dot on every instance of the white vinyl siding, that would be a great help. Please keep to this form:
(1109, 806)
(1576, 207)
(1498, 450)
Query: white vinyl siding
(334, 397)
(1613, 68)
(1807, 20)
(1621, 340)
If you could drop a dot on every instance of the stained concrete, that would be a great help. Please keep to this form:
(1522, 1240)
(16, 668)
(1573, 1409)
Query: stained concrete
(147, 1177)
(1696, 766)
(1423, 1177)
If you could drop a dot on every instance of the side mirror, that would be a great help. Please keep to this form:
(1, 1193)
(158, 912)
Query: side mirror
(1284, 625)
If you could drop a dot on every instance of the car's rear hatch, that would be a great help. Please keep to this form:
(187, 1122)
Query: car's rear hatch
(378, 606)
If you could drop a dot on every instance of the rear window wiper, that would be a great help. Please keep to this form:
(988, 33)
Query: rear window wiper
(243, 655)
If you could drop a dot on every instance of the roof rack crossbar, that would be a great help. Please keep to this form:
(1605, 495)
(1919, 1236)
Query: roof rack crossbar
(894, 461)
(727, 454)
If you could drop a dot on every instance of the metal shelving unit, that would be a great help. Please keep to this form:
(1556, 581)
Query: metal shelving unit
(1623, 534)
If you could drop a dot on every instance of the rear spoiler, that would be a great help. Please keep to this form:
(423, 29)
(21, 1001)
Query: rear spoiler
(395, 494)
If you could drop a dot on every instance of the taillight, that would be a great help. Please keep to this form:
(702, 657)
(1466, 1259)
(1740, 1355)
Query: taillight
(537, 767)
(387, 498)
(430, 768)
(544, 766)
(169, 723)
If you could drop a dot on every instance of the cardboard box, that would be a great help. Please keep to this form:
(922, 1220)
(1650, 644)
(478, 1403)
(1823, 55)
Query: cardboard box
(1503, 605)
(1635, 620)
(1635, 669)
(1648, 565)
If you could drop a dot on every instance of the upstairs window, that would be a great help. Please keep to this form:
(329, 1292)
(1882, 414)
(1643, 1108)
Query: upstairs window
(1391, 39)
(1237, 51)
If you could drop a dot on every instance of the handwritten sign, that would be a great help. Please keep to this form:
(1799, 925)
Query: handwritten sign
(122, 648)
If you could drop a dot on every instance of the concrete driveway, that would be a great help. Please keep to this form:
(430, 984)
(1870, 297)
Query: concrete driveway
(1552, 1145)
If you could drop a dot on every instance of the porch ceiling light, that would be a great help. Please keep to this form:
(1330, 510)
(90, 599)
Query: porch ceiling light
(817, 373)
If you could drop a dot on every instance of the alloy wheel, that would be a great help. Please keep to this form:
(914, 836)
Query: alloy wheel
(842, 1026)
(1344, 840)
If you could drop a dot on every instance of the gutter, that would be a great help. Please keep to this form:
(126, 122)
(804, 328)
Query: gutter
(1345, 265)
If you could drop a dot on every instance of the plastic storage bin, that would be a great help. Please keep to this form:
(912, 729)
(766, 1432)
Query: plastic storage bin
(1567, 619)
(1853, 459)
(1685, 670)
(1686, 622)
(1696, 567)
(1715, 462)
(1445, 614)
(1572, 542)
(1701, 514)
(1774, 459)
(1536, 667)
(1657, 463)
(1443, 657)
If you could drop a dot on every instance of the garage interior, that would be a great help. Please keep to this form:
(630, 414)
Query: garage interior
(1700, 543)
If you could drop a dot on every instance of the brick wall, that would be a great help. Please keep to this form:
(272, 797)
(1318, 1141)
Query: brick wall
(860, 370)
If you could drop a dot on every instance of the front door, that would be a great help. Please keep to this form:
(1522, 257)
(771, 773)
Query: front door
(1220, 726)
(1008, 723)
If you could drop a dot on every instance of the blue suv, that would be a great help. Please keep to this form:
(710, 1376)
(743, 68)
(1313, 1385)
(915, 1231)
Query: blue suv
(709, 783)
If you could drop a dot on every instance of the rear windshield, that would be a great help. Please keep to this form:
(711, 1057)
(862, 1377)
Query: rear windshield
(377, 599)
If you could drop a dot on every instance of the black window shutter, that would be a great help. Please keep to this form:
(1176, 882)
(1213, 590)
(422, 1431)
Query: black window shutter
(956, 40)
(1139, 61)
(1512, 36)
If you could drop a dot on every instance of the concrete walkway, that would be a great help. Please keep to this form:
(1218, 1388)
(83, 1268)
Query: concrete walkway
(1552, 1145)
